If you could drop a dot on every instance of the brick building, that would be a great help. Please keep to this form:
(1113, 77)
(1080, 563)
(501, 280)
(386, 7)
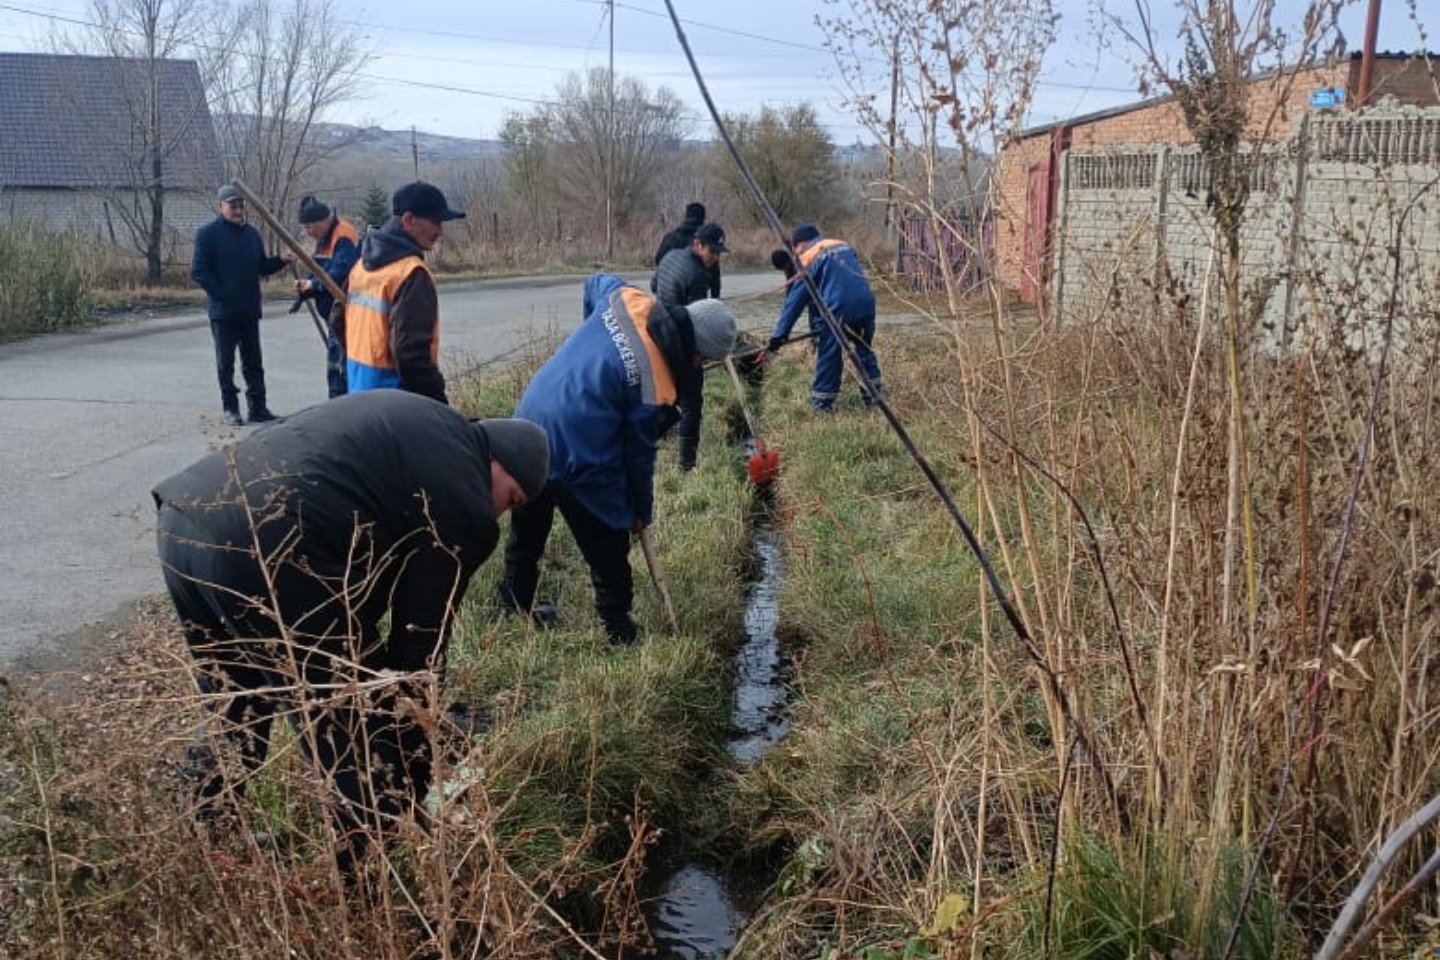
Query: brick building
(1029, 202)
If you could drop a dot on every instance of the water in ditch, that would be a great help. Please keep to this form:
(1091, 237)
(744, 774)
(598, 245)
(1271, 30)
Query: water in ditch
(698, 908)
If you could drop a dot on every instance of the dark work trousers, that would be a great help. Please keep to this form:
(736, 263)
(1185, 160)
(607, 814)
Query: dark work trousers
(375, 763)
(691, 404)
(606, 550)
(334, 363)
(244, 334)
(830, 361)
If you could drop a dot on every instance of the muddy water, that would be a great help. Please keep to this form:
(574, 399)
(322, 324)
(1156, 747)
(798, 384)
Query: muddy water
(699, 910)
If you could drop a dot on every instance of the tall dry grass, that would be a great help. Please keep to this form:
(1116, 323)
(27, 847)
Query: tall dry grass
(1244, 770)
(45, 281)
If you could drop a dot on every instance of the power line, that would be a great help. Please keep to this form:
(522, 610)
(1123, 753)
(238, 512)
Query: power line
(510, 97)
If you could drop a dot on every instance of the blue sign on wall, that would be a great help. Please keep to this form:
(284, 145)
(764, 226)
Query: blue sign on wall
(1327, 97)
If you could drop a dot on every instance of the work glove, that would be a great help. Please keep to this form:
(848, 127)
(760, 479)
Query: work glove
(775, 344)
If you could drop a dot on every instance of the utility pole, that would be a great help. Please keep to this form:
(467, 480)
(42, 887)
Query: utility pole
(610, 148)
(890, 152)
(414, 152)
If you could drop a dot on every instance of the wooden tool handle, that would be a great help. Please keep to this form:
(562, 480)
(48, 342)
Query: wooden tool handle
(652, 560)
(289, 241)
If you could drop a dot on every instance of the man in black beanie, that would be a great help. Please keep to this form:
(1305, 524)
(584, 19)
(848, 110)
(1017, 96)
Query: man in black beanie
(337, 247)
(285, 552)
(682, 278)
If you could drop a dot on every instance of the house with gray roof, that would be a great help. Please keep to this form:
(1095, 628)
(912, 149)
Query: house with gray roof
(83, 140)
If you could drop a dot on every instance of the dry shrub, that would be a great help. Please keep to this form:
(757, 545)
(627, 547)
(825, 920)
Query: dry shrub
(101, 854)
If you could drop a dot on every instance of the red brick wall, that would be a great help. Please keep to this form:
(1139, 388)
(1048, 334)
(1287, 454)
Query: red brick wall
(1010, 214)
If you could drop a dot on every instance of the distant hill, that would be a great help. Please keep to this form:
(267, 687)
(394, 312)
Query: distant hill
(361, 158)
(380, 144)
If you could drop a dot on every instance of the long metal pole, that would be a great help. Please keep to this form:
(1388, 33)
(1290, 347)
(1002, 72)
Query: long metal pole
(610, 149)
(1367, 57)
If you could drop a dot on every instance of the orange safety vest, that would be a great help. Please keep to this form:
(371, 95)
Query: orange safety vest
(657, 382)
(367, 321)
(343, 230)
(821, 246)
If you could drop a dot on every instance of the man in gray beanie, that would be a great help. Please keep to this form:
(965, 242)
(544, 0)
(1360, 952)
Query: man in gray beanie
(285, 552)
(604, 399)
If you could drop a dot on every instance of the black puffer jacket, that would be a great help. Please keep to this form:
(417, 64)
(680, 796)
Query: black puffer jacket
(680, 239)
(681, 279)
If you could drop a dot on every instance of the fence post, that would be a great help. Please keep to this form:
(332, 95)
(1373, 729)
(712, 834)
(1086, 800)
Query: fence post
(1301, 152)
(1062, 229)
(1162, 219)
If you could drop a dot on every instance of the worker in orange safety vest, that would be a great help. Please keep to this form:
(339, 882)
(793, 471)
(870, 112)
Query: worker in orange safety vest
(390, 323)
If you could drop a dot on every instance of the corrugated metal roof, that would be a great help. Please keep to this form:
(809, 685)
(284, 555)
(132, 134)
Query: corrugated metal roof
(68, 121)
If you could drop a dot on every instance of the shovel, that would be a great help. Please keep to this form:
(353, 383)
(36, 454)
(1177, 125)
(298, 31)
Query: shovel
(652, 560)
(764, 465)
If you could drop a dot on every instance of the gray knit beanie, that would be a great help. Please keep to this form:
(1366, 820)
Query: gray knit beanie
(714, 328)
(522, 448)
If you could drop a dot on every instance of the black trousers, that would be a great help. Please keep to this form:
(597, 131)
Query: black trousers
(229, 335)
(691, 403)
(606, 551)
(376, 761)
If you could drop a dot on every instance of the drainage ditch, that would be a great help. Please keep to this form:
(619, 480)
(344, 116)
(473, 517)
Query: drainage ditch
(697, 907)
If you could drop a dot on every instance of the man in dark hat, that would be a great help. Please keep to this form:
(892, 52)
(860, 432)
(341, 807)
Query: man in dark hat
(228, 261)
(285, 552)
(836, 272)
(682, 236)
(336, 250)
(390, 324)
(682, 278)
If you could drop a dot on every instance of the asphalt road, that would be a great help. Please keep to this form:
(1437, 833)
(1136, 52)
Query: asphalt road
(90, 421)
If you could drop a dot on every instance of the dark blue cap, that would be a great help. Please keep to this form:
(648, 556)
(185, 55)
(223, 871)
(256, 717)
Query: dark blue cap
(423, 200)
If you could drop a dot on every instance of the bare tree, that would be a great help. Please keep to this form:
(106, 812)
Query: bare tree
(943, 85)
(525, 166)
(286, 65)
(164, 111)
(635, 145)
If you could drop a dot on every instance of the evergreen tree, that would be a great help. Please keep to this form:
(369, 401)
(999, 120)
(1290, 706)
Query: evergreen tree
(377, 207)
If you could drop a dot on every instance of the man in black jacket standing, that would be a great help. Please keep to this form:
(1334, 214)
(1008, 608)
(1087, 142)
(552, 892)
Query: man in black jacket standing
(680, 239)
(228, 262)
(285, 551)
(683, 277)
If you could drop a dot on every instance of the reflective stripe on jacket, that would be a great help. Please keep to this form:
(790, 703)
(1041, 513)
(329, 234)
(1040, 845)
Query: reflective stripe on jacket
(605, 397)
(369, 361)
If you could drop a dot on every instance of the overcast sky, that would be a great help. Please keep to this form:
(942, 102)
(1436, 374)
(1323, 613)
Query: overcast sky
(465, 63)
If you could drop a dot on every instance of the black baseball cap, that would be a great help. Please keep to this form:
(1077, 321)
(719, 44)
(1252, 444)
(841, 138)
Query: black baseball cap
(713, 237)
(423, 200)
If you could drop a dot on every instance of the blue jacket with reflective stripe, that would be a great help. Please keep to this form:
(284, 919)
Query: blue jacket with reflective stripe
(597, 401)
(836, 271)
